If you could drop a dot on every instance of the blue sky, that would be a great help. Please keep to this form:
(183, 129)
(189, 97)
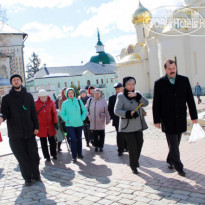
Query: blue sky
(64, 32)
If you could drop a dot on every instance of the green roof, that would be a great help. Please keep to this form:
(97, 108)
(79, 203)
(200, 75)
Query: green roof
(103, 58)
(99, 43)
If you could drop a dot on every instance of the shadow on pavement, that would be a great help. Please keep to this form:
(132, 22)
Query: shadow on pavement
(62, 176)
(87, 166)
(110, 154)
(35, 194)
(1, 175)
(154, 178)
(17, 168)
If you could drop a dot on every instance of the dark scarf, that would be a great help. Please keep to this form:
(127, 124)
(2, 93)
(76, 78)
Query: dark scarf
(18, 94)
(125, 92)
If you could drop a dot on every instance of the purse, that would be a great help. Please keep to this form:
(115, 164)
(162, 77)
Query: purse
(144, 113)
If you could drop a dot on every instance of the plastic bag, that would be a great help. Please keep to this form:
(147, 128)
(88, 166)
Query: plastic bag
(196, 133)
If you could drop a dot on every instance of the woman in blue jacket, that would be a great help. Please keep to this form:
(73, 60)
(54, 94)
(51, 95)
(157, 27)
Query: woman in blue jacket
(73, 112)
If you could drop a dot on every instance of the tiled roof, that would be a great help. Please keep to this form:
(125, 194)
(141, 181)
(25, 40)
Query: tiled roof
(97, 69)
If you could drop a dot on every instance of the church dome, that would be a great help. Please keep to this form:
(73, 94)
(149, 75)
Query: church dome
(141, 15)
(130, 58)
(102, 58)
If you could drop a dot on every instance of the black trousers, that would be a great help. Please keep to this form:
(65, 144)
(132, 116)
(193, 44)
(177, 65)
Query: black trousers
(121, 143)
(26, 153)
(173, 141)
(134, 144)
(86, 130)
(44, 146)
(99, 138)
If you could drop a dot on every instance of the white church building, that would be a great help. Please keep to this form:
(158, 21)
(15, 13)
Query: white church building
(180, 42)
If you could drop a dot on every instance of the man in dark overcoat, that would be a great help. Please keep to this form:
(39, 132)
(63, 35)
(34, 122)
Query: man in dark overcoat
(121, 143)
(19, 110)
(172, 94)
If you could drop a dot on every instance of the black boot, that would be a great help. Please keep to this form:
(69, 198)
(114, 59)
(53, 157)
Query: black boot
(59, 147)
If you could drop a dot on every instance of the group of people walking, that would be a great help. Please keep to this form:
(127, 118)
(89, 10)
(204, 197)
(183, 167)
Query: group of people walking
(91, 113)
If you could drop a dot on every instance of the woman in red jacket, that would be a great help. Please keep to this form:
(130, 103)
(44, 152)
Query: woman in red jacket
(48, 123)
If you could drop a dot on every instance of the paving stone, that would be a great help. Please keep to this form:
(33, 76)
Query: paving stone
(127, 191)
(92, 198)
(196, 200)
(169, 200)
(105, 201)
(182, 202)
(156, 202)
(181, 192)
(154, 196)
(115, 188)
(126, 201)
(198, 195)
(114, 198)
(142, 199)
(179, 196)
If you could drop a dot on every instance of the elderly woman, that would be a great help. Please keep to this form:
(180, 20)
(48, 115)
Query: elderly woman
(48, 123)
(60, 102)
(73, 112)
(132, 122)
(86, 124)
(99, 116)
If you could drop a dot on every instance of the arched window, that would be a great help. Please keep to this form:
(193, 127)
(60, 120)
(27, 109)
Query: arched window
(97, 82)
(111, 80)
(101, 81)
(59, 84)
(107, 80)
(66, 84)
(71, 83)
(79, 85)
(88, 82)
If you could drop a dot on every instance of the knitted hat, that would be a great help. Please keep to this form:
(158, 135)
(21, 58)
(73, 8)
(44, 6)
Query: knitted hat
(82, 91)
(42, 93)
(15, 76)
(127, 79)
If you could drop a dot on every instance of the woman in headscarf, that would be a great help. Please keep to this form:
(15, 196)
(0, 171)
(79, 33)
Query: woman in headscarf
(99, 116)
(91, 91)
(86, 124)
(60, 101)
(132, 122)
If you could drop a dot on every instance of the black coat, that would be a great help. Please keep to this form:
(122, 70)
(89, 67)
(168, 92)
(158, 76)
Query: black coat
(19, 110)
(111, 105)
(169, 104)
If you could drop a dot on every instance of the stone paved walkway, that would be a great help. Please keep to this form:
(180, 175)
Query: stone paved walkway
(105, 178)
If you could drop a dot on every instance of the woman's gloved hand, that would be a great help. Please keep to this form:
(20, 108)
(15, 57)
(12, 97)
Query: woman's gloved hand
(128, 115)
(135, 115)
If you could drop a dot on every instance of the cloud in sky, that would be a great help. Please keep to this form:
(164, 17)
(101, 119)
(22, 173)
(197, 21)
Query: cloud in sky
(114, 14)
(37, 3)
(45, 32)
